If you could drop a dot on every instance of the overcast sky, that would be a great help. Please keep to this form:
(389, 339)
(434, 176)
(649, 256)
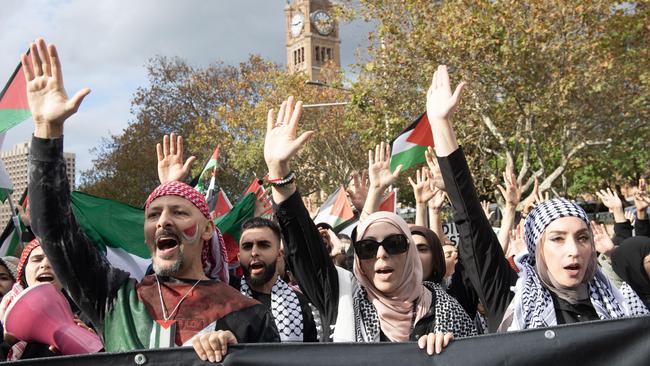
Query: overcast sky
(106, 44)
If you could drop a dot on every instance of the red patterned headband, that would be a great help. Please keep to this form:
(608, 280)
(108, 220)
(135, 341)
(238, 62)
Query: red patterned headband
(182, 190)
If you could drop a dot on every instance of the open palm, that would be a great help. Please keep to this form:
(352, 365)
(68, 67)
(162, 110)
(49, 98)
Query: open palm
(379, 172)
(48, 101)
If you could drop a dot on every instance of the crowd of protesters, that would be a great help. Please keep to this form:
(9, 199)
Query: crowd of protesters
(390, 281)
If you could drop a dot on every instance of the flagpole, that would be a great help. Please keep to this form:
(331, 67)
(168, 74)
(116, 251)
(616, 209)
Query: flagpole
(14, 217)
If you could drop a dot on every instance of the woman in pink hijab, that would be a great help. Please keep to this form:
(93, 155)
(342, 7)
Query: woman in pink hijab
(391, 303)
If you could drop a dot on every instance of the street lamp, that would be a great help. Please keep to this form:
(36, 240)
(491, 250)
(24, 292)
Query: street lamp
(324, 85)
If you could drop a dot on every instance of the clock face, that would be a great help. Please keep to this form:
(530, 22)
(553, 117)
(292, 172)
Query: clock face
(297, 22)
(323, 22)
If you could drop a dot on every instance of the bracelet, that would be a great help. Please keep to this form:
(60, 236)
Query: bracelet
(281, 182)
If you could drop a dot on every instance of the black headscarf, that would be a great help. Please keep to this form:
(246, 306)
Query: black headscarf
(437, 254)
(627, 262)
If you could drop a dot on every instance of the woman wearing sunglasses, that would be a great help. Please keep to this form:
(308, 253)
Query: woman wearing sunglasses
(559, 281)
(392, 303)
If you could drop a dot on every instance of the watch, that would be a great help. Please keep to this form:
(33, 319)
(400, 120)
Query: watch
(297, 21)
(323, 22)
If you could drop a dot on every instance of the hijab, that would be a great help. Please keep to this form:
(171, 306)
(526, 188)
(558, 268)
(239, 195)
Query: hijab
(396, 310)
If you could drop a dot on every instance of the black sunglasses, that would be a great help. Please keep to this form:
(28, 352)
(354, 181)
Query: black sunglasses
(392, 244)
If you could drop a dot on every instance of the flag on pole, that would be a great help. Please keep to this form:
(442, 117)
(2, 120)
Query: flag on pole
(11, 241)
(390, 202)
(209, 167)
(409, 147)
(335, 211)
(13, 100)
(230, 226)
(222, 205)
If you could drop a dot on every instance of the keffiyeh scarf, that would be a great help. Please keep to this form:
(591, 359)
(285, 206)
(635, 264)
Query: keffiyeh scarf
(285, 308)
(449, 316)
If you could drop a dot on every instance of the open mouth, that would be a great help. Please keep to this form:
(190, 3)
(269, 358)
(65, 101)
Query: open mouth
(45, 277)
(573, 269)
(386, 271)
(256, 267)
(166, 244)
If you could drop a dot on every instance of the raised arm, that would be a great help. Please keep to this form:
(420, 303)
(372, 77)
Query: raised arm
(512, 195)
(82, 269)
(479, 247)
(642, 202)
(622, 227)
(307, 258)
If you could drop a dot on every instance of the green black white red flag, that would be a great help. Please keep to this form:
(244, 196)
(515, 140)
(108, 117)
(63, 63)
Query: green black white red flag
(409, 147)
(14, 107)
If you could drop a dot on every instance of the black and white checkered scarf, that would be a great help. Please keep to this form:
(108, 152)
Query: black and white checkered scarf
(533, 305)
(449, 315)
(285, 308)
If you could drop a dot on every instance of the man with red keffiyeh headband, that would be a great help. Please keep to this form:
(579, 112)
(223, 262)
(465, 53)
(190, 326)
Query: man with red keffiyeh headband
(187, 300)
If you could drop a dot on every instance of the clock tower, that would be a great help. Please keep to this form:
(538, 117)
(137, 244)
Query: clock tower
(312, 37)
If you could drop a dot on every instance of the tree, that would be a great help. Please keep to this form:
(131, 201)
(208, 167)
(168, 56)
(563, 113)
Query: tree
(227, 106)
(558, 88)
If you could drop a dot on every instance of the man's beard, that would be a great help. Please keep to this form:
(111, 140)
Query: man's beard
(267, 275)
(171, 269)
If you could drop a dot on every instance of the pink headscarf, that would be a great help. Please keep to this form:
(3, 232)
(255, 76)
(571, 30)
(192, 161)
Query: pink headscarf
(395, 310)
(213, 255)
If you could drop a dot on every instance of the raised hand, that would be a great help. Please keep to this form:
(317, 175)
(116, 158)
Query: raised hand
(421, 186)
(485, 205)
(441, 103)
(529, 202)
(613, 203)
(434, 168)
(48, 100)
(281, 143)
(642, 200)
(379, 172)
(359, 190)
(438, 199)
(516, 245)
(609, 199)
(602, 241)
(512, 191)
(170, 160)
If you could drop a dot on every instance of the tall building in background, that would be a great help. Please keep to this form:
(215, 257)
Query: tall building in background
(312, 37)
(16, 161)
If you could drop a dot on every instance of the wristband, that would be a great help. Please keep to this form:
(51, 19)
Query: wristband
(281, 182)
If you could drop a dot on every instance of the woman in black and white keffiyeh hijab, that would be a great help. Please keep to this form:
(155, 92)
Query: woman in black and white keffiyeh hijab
(561, 271)
(558, 281)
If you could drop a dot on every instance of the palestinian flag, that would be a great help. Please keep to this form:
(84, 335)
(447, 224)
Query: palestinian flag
(390, 202)
(13, 100)
(222, 205)
(258, 190)
(208, 169)
(115, 229)
(5, 182)
(11, 241)
(409, 147)
(230, 226)
(335, 211)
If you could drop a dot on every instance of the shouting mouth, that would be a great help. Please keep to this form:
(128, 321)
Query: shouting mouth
(45, 277)
(257, 267)
(166, 245)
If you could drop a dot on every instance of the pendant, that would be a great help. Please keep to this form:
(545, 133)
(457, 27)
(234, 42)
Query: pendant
(163, 334)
